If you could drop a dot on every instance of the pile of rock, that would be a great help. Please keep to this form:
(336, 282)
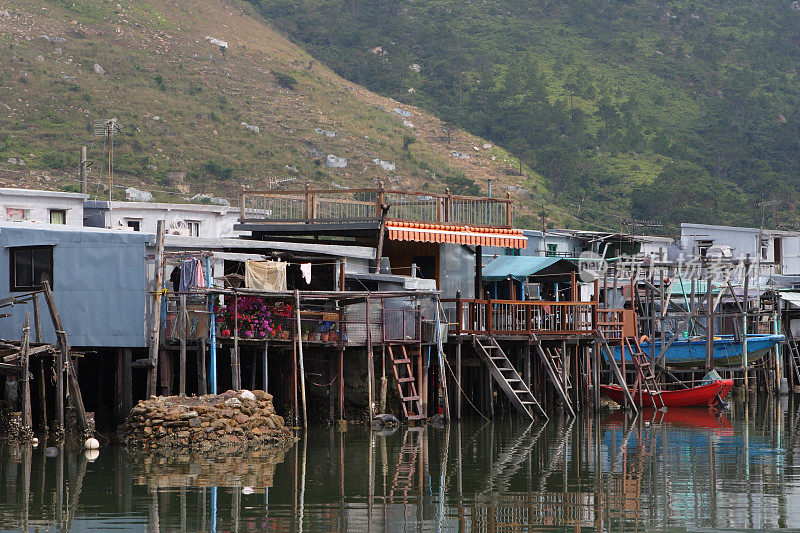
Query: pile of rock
(234, 419)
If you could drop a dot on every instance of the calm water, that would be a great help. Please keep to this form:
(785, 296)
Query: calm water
(686, 469)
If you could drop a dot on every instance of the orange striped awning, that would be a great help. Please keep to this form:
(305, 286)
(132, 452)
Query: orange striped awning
(414, 231)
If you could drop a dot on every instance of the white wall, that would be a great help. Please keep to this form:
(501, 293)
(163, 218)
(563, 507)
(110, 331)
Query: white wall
(215, 221)
(37, 205)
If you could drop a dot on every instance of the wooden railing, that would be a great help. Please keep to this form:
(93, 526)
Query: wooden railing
(362, 205)
(512, 317)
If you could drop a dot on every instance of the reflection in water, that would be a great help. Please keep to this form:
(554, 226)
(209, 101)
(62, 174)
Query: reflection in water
(682, 468)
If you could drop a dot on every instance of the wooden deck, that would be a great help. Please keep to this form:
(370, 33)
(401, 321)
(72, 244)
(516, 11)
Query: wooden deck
(508, 318)
(365, 205)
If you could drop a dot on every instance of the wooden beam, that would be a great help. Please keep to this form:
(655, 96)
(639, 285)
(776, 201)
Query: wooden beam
(155, 328)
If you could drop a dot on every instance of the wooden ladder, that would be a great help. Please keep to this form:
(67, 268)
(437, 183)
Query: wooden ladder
(552, 361)
(609, 356)
(403, 481)
(645, 378)
(406, 385)
(794, 354)
(508, 378)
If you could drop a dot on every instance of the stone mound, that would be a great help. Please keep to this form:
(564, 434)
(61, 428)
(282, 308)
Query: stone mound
(231, 420)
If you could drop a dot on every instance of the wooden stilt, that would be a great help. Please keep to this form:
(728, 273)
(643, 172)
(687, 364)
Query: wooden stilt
(43, 395)
(340, 379)
(266, 366)
(298, 337)
(236, 374)
(370, 365)
(183, 331)
(458, 381)
(202, 378)
(165, 371)
(27, 423)
(156, 318)
(65, 362)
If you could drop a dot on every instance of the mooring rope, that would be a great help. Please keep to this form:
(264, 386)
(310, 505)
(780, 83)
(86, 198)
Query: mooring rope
(462, 390)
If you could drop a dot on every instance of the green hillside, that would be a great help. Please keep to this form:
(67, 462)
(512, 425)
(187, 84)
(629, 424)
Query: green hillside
(670, 111)
(184, 105)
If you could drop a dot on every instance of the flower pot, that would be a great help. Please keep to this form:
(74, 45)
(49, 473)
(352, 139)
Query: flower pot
(284, 335)
(316, 336)
(323, 337)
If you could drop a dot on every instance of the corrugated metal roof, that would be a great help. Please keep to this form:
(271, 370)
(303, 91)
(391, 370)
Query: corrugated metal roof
(519, 267)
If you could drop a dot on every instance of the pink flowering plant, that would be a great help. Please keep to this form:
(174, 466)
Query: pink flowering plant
(257, 319)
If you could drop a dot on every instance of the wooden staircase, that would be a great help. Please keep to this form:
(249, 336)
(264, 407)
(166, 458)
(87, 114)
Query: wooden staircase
(508, 378)
(406, 384)
(511, 459)
(645, 378)
(552, 359)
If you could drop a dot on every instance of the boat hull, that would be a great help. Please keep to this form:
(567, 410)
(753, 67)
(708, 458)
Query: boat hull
(701, 396)
(727, 351)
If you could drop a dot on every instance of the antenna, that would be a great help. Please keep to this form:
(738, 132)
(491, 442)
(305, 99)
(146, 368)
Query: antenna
(107, 128)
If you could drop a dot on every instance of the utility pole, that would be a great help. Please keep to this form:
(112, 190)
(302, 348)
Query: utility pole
(543, 216)
(83, 170)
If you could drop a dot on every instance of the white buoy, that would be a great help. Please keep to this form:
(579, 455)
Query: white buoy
(91, 455)
(92, 444)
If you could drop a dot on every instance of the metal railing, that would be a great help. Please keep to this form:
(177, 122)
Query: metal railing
(511, 317)
(362, 205)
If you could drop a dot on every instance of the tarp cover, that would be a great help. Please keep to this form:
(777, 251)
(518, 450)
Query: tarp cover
(519, 267)
(265, 275)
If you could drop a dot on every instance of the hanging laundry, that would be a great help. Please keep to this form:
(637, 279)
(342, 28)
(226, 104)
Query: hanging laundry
(265, 275)
(200, 278)
(305, 269)
(175, 278)
(188, 275)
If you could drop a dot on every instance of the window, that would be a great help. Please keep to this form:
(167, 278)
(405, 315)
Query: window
(703, 246)
(194, 228)
(30, 265)
(135, 225)
(58, 216)
(13, 213)
(552, 250)
(512, 251)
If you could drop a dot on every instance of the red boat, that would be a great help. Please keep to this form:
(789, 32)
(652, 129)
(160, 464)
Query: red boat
(701, 396)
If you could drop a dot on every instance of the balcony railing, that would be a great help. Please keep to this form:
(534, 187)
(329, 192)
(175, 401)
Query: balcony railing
(364, 205)
(510, 317)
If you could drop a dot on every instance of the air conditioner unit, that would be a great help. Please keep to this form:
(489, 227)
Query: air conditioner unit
(533, 291)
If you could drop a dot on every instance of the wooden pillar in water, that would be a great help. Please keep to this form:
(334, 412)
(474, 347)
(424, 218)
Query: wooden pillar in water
(155, 332)
(124, 383)
(370, 363)
(24, 355)
(236, 371)
(265, 359)
(459, 385)
(202, 379)
(340, 379)
(182, 363)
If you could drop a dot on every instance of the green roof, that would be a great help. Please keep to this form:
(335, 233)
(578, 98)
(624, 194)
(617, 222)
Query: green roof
(519, 267)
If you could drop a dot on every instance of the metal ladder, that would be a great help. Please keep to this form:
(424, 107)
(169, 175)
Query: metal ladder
(645, 378)
(508, 378)
(555, 371)
(406, 385)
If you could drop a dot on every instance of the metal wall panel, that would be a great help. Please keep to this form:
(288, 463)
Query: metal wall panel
(99, 285)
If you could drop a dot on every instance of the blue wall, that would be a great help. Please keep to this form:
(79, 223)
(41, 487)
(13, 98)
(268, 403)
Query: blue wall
(99, 285)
